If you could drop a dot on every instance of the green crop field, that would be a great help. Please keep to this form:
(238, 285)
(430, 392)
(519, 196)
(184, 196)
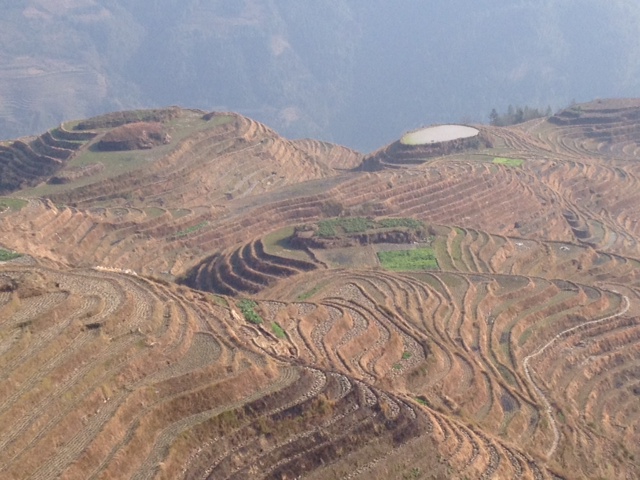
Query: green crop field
(348, 225)
(330, 228)
(278, 331)
(6, 255)
(509, 162)
(247, 307)
(402, 260)
(8, 203)
(194, 228)
(400, 222)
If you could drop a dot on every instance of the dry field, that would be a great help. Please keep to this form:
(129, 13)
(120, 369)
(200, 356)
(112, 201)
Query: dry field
(159, 318)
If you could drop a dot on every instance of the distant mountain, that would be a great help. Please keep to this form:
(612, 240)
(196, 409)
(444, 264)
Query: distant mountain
(356, 73)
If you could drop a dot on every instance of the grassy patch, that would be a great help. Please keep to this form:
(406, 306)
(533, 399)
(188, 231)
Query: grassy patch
(219, 300)
(278, 331)
(59, 135)
(524, 337)
(195, 228)
(278, 243)
(456, 250)
(153, 212)
(183, 126)
(6, 255)
(400, 222)
(355, 224)
(14, 204)
(326, 229)
(402, 260)
(440, 247)
(111, 120)
(115, 163)
(247, 307)
(118, 163)
(509, 162)
(221, 120)
(179, 213)
(348, 225)
(309, 293)
(277, 239)
(507, 375)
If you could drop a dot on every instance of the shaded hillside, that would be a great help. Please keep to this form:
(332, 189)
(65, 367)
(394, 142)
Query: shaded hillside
(234, 304)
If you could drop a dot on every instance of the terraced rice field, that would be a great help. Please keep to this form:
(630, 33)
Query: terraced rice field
(447, 316)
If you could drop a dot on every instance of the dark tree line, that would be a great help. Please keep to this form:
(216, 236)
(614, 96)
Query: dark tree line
(515, 115)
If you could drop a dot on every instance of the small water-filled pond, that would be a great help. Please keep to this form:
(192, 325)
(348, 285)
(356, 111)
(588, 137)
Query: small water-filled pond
(439, 133)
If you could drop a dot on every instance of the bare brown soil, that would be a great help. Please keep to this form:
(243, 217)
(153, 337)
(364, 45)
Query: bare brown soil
(519, 357)
(133, 136)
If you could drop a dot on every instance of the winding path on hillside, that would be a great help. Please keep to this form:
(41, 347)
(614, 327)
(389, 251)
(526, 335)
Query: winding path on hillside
(545, 401)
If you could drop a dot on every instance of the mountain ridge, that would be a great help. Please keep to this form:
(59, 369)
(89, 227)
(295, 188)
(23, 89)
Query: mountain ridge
(234, 304)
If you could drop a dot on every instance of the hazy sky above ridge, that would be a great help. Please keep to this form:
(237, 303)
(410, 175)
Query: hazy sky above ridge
(356, 73)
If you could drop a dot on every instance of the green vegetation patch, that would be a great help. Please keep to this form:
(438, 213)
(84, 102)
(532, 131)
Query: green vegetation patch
(14, 204)
(180, 124)
(116, 119)
(349, 225)
(524, 337)
(221, 120)
(154, 212)
(456, 249)
(309, 293)
(247, 307)
(278, 243)
(278, 238)
(60, 135)
(6, 255)
(403, 260)
(331, 228)
(115, 163)
(326, 229)
(220, 300)
(278, 331)
(179, 213)
(400, 222)
(194, 228)
(507, 375)
(509, 162)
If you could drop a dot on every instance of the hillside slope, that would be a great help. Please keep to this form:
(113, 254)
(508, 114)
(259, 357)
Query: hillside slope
(227, 303)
